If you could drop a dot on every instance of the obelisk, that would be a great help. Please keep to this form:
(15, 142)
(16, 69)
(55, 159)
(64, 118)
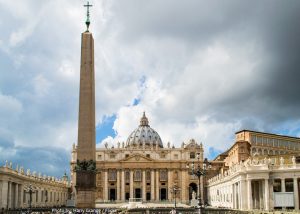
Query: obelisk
(86, 119)
(85, 173)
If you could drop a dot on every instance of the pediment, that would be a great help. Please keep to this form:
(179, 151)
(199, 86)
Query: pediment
(137, 158)
(192, 144)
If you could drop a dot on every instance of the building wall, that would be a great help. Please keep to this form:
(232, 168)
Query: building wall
(240, 151)
(269, 144)
(252, 184)
(125, 173)
(14, 189)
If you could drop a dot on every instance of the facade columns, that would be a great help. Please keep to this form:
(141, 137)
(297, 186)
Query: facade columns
(170, 185)
(243, 195)
(21, 195)
(123, 185)
(131, 184)
(249, 190)
(152, 185)
(267, 195)
(105, 190)
(144, 185)
(282, 185)
(233, 196)
(16, 205)
(9, 198)
(183, 186)
(237, 195)
(118, 186)
(157, 185)
(296, 193)
(4, 195)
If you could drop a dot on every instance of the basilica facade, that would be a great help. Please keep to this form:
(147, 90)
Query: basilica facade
(143, 169)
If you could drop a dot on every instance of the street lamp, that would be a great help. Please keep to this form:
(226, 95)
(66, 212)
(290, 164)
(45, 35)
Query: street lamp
(30, 190)
(198, 172)
(175, 189)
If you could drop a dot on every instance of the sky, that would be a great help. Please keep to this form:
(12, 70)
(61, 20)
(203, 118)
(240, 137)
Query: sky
(199, 69)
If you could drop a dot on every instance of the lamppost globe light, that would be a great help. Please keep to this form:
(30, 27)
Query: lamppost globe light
(198, 171)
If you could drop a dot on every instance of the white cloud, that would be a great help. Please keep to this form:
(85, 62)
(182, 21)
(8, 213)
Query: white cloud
(41, 86)
(206, 68)
(10, 108)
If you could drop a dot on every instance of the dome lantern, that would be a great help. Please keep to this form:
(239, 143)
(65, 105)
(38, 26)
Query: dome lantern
(144, 120)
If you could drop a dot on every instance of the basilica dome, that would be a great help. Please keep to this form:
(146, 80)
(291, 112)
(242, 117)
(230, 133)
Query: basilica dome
(144, 135)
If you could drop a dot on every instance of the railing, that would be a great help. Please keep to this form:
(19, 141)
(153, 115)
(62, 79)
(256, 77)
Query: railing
(284, 199)
(132, 200)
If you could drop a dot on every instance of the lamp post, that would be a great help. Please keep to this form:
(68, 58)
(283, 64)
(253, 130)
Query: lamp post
(175, 189)
(30, 190)
(199, 171)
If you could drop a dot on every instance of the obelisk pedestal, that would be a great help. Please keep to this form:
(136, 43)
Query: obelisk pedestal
(85, 174)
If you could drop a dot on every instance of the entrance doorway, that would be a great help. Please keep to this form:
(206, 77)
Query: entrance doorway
(148, 196)
(193, 188)
(163, 194)
(138, 193)
(112, 194)
(127, 196)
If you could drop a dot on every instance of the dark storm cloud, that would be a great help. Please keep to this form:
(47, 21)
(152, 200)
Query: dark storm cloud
(189, 20)
(273, 26)
(276, 27)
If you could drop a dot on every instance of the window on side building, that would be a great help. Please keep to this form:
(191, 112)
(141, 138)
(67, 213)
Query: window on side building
(289, 185)
(192, 155)
(277, 185)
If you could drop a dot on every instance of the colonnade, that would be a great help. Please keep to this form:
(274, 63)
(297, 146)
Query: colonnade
(251, 194)
(15, 195)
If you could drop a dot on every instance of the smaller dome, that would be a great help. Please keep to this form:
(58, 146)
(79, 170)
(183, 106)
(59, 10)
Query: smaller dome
(144, 134)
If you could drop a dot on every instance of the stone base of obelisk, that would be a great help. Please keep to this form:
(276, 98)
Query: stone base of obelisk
(85, 199)
(85, 189)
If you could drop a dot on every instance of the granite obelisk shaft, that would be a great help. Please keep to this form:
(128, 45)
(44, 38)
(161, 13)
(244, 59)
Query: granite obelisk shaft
(85, 179)
(86, 120)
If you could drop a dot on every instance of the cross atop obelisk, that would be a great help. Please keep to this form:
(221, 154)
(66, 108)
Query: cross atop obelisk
(87, 22)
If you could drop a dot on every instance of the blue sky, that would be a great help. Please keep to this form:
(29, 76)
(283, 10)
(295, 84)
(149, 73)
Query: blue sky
(199, 69)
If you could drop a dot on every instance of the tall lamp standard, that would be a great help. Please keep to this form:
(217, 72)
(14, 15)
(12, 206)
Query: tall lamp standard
(30, 190)
(175, 189)
(198, 172)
